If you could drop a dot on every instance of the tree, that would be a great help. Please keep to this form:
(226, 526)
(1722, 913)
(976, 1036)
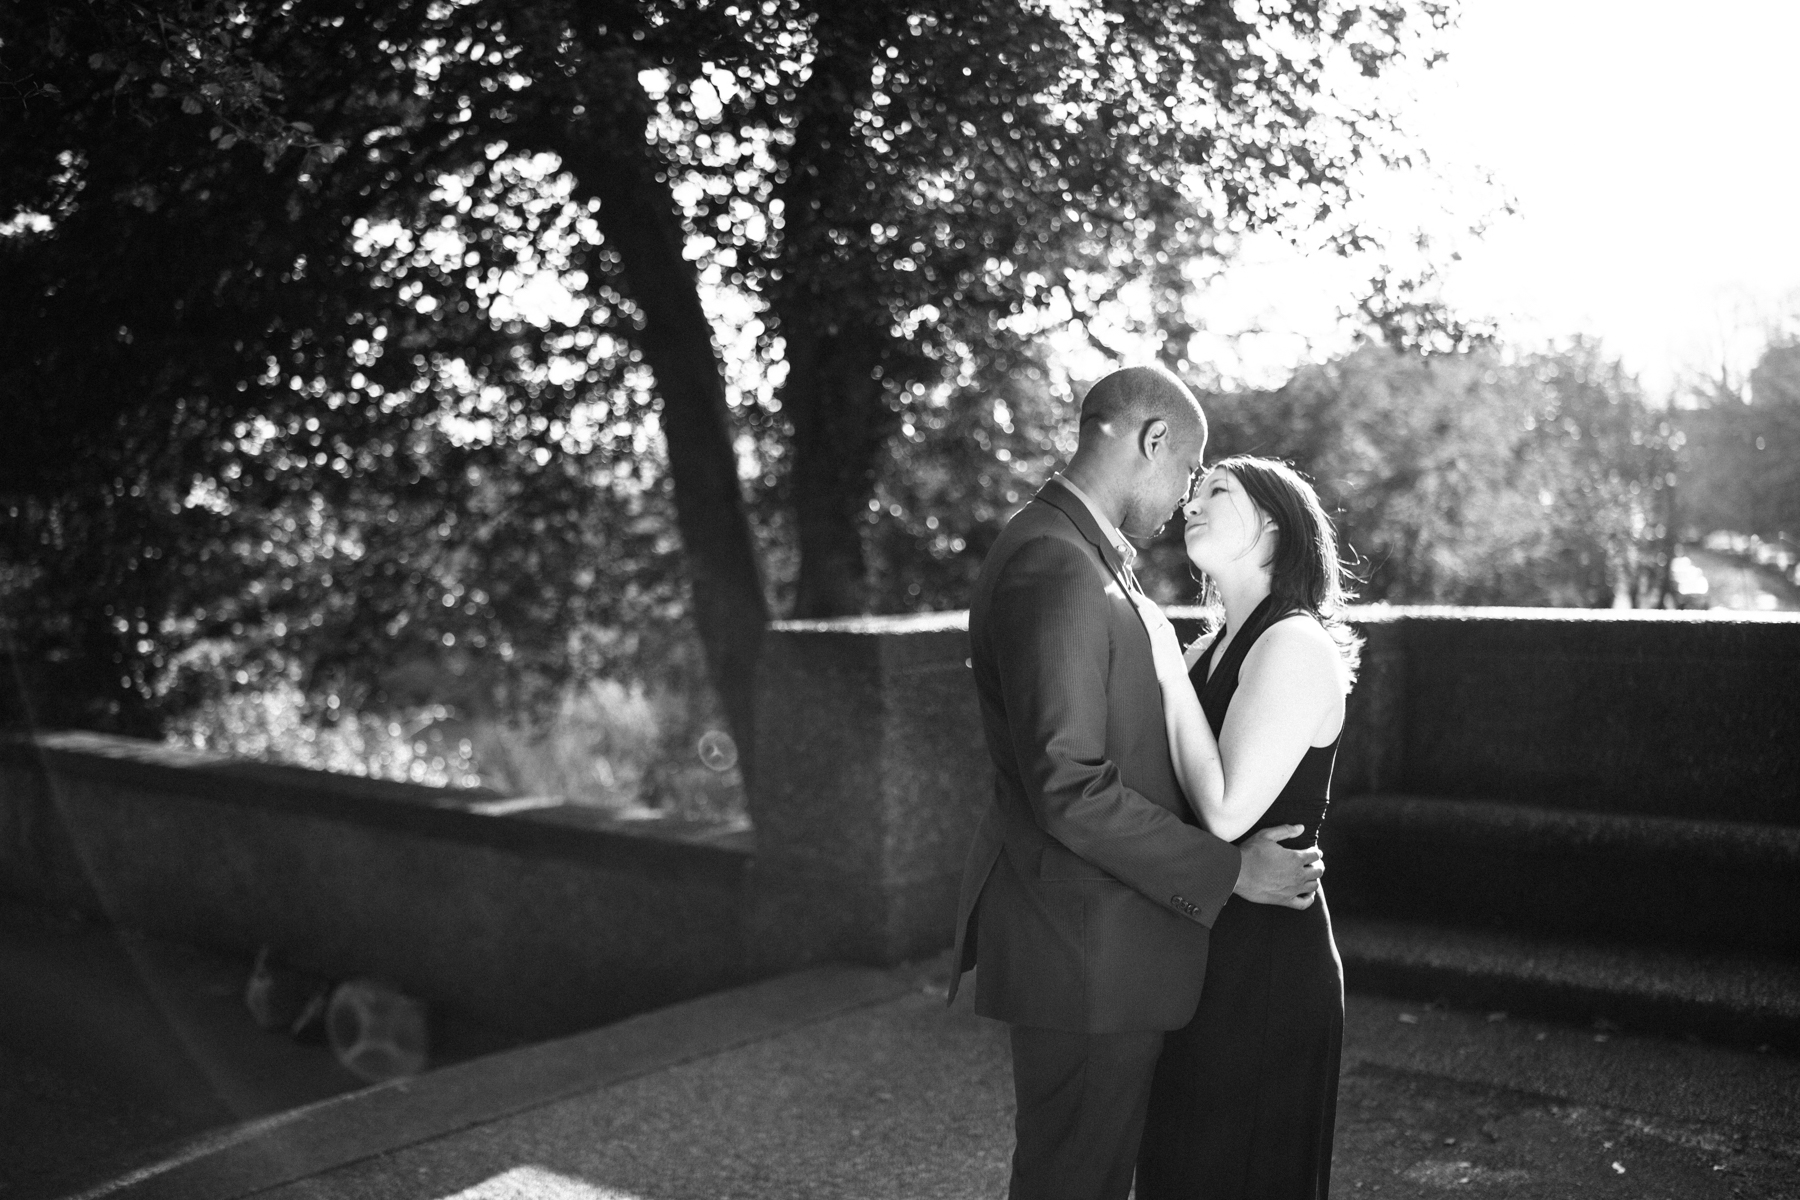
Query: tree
(949, 170)
(894, 184)
(1608, 461)
(1474, 479)
(962, 462)
(207, 337)
(1740, 468)
(1775, 443)
(276, 253)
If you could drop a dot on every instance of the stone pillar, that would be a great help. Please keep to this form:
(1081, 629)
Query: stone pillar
(871, 775)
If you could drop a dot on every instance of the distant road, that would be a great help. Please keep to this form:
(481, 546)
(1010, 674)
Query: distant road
(1738, 583)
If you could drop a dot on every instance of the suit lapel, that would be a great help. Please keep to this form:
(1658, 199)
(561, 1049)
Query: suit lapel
(1057, 494)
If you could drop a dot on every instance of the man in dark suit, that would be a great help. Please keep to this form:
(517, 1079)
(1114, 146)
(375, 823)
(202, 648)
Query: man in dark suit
(1090, 886)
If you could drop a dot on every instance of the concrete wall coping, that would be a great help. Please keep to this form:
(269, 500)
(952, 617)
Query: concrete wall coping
(952, 621)
(1360, 614)
(1368, 613)
(449, 814)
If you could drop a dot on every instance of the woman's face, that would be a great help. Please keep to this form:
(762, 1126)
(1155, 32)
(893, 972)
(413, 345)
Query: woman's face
(1224, 525)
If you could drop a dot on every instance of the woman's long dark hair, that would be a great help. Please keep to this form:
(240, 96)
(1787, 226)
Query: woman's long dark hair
(1306, 574)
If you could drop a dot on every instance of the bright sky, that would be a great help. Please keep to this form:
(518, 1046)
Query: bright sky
(1653, 152)
(1650, 148)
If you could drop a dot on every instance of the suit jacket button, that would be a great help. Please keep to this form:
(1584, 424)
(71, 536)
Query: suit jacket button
(1177, 901)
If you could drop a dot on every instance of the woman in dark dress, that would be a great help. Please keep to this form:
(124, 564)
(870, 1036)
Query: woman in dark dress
(1245, 1096)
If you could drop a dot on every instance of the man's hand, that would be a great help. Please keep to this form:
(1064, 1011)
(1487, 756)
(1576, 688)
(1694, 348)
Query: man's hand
(1272, 874)
(1165, 645)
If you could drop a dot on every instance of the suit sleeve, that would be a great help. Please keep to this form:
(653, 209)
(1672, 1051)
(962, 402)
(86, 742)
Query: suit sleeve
(1051, 649)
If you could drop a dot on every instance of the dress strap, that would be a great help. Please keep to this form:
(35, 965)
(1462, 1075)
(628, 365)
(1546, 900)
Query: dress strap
(1201, 663)
(1226, 674)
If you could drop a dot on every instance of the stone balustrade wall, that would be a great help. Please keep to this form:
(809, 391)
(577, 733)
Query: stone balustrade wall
(519, 922)
(873, 773)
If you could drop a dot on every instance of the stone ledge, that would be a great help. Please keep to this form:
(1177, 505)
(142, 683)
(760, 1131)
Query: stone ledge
(511, 918)
(668, 849)
(1747, 844)
(1629, 878)
(1377, 614)
(1359, 613)
(951, 621)
(1744, 999)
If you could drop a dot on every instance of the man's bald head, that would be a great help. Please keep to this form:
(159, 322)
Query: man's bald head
(1130, 398)
(1142, 437)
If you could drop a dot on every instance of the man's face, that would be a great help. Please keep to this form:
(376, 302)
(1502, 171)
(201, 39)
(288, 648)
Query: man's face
(1166, 481)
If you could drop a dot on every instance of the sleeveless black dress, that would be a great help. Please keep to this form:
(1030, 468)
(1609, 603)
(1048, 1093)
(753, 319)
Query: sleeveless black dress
(1245, 1096)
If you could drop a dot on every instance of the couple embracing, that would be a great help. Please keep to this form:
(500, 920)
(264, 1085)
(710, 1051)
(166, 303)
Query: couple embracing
(1143, 893)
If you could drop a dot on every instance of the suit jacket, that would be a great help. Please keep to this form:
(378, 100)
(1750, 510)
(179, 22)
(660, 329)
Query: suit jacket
(1090, 886)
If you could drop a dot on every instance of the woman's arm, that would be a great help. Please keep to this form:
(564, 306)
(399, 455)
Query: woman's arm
(1289, 686)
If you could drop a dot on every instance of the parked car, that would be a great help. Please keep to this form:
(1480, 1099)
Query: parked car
(1691, 587)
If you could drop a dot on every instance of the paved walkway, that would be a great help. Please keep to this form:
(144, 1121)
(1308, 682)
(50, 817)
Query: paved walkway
(852, 1083)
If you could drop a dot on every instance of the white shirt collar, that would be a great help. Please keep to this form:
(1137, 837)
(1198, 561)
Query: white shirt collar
(1127, 551)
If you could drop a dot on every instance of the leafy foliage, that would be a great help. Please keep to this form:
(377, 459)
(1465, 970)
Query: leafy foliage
(1743, 444)
(960, 465)
(282, 382)
(266, 394)
(1474, 479)
(942, 180)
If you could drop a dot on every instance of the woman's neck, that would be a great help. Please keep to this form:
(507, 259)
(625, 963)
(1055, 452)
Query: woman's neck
(1241, 594)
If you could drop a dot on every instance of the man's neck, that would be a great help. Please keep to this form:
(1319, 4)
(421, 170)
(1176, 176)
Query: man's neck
(1107, 501)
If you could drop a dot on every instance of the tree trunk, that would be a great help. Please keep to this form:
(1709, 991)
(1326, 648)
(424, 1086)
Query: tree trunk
(836, 336)
(841, 421)
(610, 159)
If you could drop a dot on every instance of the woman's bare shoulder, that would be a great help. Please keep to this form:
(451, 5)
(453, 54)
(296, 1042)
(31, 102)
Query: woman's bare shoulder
(1298, 643)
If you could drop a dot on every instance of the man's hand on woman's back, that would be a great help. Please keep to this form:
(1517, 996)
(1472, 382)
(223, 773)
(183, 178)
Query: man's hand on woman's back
(1273, 874)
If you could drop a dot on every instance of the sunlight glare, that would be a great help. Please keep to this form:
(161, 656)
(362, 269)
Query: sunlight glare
(532, 1182)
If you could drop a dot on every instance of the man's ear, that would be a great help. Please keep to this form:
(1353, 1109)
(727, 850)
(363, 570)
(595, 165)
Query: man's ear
(1154, 438)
